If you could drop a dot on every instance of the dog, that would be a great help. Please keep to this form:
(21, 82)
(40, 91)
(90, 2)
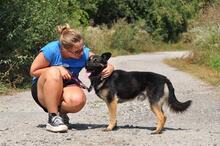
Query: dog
(123, 86)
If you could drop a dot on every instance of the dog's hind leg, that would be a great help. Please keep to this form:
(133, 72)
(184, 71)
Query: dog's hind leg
(161, 118)
(112, 108)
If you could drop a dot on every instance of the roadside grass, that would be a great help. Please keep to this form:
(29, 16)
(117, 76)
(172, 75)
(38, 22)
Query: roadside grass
(3, 89)
(204, 42)
(202, 72)
(9, 90)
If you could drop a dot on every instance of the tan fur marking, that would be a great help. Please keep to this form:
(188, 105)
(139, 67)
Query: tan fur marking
(104, 93)
(161, 118)
(165, 96)
(112, 107)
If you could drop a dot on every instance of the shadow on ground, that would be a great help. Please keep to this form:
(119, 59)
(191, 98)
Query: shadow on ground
(82, 126)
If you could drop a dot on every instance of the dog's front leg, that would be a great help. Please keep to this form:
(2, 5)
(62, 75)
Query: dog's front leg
(112, 108)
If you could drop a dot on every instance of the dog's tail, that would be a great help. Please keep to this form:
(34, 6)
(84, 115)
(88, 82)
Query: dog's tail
(173, 103)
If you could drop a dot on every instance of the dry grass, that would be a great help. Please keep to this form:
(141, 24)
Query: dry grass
(202, 72)
(208, 16)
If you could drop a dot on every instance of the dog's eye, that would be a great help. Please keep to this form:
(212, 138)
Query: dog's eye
(95, 59)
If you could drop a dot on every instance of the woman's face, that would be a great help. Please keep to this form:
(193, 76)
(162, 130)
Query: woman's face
(76, 52)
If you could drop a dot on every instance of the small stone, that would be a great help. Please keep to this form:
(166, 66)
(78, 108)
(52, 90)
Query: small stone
(69, 139)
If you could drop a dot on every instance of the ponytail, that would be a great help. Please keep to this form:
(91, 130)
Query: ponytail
(69, 36)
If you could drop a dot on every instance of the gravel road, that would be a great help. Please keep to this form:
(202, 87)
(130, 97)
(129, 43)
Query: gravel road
(22, 122)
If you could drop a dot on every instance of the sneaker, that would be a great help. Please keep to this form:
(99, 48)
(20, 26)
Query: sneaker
(66, 119)
(55, 123)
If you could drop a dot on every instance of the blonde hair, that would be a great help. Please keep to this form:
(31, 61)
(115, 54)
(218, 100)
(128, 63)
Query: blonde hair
(68, 36)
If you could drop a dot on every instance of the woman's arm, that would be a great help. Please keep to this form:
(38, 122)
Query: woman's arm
(39, 65)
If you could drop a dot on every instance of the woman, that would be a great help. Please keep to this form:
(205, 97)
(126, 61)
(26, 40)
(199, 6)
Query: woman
(53, 70)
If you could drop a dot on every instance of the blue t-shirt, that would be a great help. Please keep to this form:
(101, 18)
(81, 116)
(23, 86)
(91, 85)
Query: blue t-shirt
(52, 52)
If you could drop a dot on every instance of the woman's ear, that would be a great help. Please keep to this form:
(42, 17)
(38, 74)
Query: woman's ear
(106, 56)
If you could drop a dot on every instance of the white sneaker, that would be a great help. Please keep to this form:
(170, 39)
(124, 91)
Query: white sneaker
(55, 123)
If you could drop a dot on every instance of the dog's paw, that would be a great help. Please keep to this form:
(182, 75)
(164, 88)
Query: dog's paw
(107, 130)
(110, 128)
(156, 132)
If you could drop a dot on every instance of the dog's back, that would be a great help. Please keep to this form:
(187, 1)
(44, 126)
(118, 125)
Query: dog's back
(128, 85)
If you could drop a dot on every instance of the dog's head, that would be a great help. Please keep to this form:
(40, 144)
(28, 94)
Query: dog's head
(97, 63)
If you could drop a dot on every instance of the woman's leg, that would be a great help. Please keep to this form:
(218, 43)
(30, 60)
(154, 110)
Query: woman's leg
(74, 99)
(50, 86)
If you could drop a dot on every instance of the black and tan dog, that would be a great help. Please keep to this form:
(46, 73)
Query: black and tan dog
(123, 86)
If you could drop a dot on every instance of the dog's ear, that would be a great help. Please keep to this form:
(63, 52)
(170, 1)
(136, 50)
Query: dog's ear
(106, 56)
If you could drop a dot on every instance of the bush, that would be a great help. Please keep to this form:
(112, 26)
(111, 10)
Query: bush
(121, 38)
(98, 38)
(165, 19)
(208, 45)
(123, 34)
(28, 25)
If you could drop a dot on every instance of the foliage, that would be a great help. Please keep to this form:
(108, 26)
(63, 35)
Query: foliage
(127, 31)
(208, 46)
(121, 38)
(165, 19)
(26, 26)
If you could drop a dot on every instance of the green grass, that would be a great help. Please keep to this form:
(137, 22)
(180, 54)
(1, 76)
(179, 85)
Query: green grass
(3, 88)
(9, 90)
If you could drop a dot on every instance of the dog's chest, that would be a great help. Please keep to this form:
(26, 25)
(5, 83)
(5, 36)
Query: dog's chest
(101, 90)
(103, 93)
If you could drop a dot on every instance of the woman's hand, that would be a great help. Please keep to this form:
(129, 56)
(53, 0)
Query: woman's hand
(66, 75)
(107, 71)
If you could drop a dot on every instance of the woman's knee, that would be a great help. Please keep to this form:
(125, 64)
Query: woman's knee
(78, 100)
(53, 73)
(75, 102)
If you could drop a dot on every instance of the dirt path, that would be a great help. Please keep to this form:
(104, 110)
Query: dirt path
(22, 122)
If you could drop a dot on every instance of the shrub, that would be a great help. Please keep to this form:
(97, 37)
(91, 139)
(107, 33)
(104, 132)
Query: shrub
(28, 25)
(121, 38)
(208, 45)
(123, 34)
(165, 19)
